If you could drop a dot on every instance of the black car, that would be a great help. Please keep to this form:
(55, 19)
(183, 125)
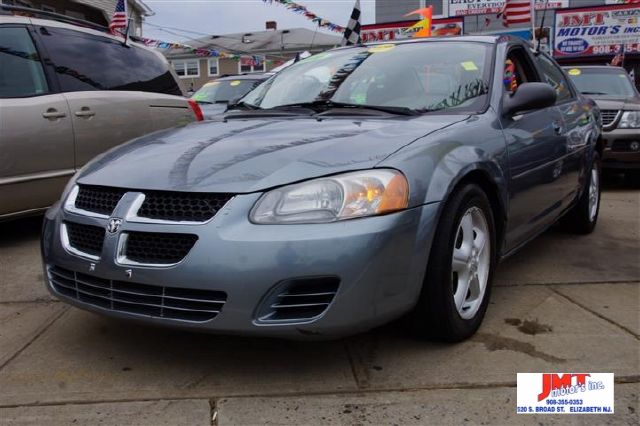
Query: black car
(619, 101)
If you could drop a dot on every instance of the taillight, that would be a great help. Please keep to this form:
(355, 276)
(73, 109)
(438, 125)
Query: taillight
(196, 110)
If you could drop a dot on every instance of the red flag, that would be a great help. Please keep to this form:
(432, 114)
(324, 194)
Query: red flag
(516, 12)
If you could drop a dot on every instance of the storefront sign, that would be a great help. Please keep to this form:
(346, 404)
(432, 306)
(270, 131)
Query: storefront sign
(400, 30)
(597, 31)
(481, 7)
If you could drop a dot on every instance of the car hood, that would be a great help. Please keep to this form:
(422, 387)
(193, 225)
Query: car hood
(241, 156)
(615, 103)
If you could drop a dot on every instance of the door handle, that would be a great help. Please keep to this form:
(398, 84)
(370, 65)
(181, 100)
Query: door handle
(85, 112)
(53, 114)
(557, 127)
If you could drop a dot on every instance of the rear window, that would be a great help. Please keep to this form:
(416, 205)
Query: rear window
(85, 62)
(595, 81)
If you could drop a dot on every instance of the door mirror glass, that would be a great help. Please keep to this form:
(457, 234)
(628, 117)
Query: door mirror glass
(529, 96)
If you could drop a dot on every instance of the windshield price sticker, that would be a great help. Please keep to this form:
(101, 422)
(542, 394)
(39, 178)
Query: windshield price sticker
(235, 83)
(565, 393)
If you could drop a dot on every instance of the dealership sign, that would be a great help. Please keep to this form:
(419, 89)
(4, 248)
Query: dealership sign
(597, 31)
(401, 30)
(481, 7)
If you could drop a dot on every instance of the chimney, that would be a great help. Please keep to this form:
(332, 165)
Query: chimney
(272, 25)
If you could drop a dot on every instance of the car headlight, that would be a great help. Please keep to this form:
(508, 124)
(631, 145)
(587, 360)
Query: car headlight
(630, 120)
(346, 196)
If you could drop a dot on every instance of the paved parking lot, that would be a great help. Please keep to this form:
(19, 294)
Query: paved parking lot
(564, 304)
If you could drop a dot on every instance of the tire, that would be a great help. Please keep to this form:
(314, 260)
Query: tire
(582, 218)
(437, 316)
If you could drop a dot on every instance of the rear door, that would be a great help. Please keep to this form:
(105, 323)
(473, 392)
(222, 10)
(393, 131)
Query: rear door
(110, 88)
(36, 135)
(536, 147)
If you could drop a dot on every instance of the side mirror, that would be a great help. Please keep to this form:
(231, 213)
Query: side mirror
(529, 96)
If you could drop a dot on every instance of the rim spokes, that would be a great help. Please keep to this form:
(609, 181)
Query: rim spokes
(470, 262)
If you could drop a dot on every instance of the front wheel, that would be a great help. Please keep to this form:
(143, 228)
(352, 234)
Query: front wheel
(457, 284)
(582, 218)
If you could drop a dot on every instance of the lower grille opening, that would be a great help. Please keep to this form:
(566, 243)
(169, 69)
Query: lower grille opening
(158, 248)
(175, 303)
(85, 238)
(298, 300)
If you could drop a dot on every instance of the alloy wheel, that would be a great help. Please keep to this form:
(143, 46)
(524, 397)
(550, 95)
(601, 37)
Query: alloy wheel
(471, 262)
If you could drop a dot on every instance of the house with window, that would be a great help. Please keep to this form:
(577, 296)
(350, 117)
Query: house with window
(255, 52)
(96, 11)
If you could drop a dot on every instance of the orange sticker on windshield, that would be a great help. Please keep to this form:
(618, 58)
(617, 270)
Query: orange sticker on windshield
(381, 48)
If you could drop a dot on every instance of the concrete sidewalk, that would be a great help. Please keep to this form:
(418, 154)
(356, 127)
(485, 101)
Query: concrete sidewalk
(564, 304)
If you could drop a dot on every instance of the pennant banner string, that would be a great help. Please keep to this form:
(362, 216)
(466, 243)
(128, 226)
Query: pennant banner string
(302, 10)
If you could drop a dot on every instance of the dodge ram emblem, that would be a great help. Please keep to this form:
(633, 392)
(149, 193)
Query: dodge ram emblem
(114, 225)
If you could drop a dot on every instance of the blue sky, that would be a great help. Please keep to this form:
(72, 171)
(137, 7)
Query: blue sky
(231, 16)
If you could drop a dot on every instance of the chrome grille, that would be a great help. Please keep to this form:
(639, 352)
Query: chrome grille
(300, 299)
(181, 207)
(85, 238)
(140, 299)
(608, 116)
(157, 248)
(98, 199)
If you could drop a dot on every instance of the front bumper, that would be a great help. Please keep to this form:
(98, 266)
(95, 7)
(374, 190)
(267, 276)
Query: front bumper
(617, 153)
(380, 262)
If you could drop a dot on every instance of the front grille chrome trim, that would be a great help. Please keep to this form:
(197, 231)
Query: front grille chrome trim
(123, 260)
(66, 244)
(132, 215)
(610, 122)
(70, 205)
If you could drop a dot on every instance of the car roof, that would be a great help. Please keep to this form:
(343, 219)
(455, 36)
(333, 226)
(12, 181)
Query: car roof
(491, 39)
(604, 67)
(260, 76)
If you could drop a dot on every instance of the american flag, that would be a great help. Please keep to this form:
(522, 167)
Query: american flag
(119, 19)
(516, 12)
(352, 31)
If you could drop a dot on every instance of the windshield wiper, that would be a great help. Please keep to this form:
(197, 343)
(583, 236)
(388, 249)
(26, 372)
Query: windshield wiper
(324, 107)
(594, 93)
(242, 105)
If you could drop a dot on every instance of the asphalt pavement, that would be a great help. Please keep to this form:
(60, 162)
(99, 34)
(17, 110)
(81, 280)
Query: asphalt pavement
(565, 303)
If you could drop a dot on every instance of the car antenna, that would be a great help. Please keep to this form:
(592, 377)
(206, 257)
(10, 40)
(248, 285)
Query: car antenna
(544, 12)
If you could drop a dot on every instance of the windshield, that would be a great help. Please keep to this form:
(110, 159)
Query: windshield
(224, 90)
(419, 76)
(602, 82)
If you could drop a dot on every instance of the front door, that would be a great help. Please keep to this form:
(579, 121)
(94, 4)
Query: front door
(536, 147)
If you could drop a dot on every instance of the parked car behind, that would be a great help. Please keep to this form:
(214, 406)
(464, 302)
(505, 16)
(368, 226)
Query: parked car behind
(68, 93)
(351, 188)
(214, 96)
(619, 101)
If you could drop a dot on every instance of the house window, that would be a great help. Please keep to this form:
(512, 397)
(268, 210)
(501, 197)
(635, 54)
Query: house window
(251, 64)
(214, 68)
(187, 68)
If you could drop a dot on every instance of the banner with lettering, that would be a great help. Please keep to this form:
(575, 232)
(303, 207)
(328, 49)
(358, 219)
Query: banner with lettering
(596, 31)
(482, 7)
(400, 30)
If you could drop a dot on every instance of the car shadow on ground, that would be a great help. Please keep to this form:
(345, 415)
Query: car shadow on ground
(141, 340)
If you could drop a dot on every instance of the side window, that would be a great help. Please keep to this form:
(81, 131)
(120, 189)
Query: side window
(518, 69)
(554, 76)
(21, 72)
(85, 62)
